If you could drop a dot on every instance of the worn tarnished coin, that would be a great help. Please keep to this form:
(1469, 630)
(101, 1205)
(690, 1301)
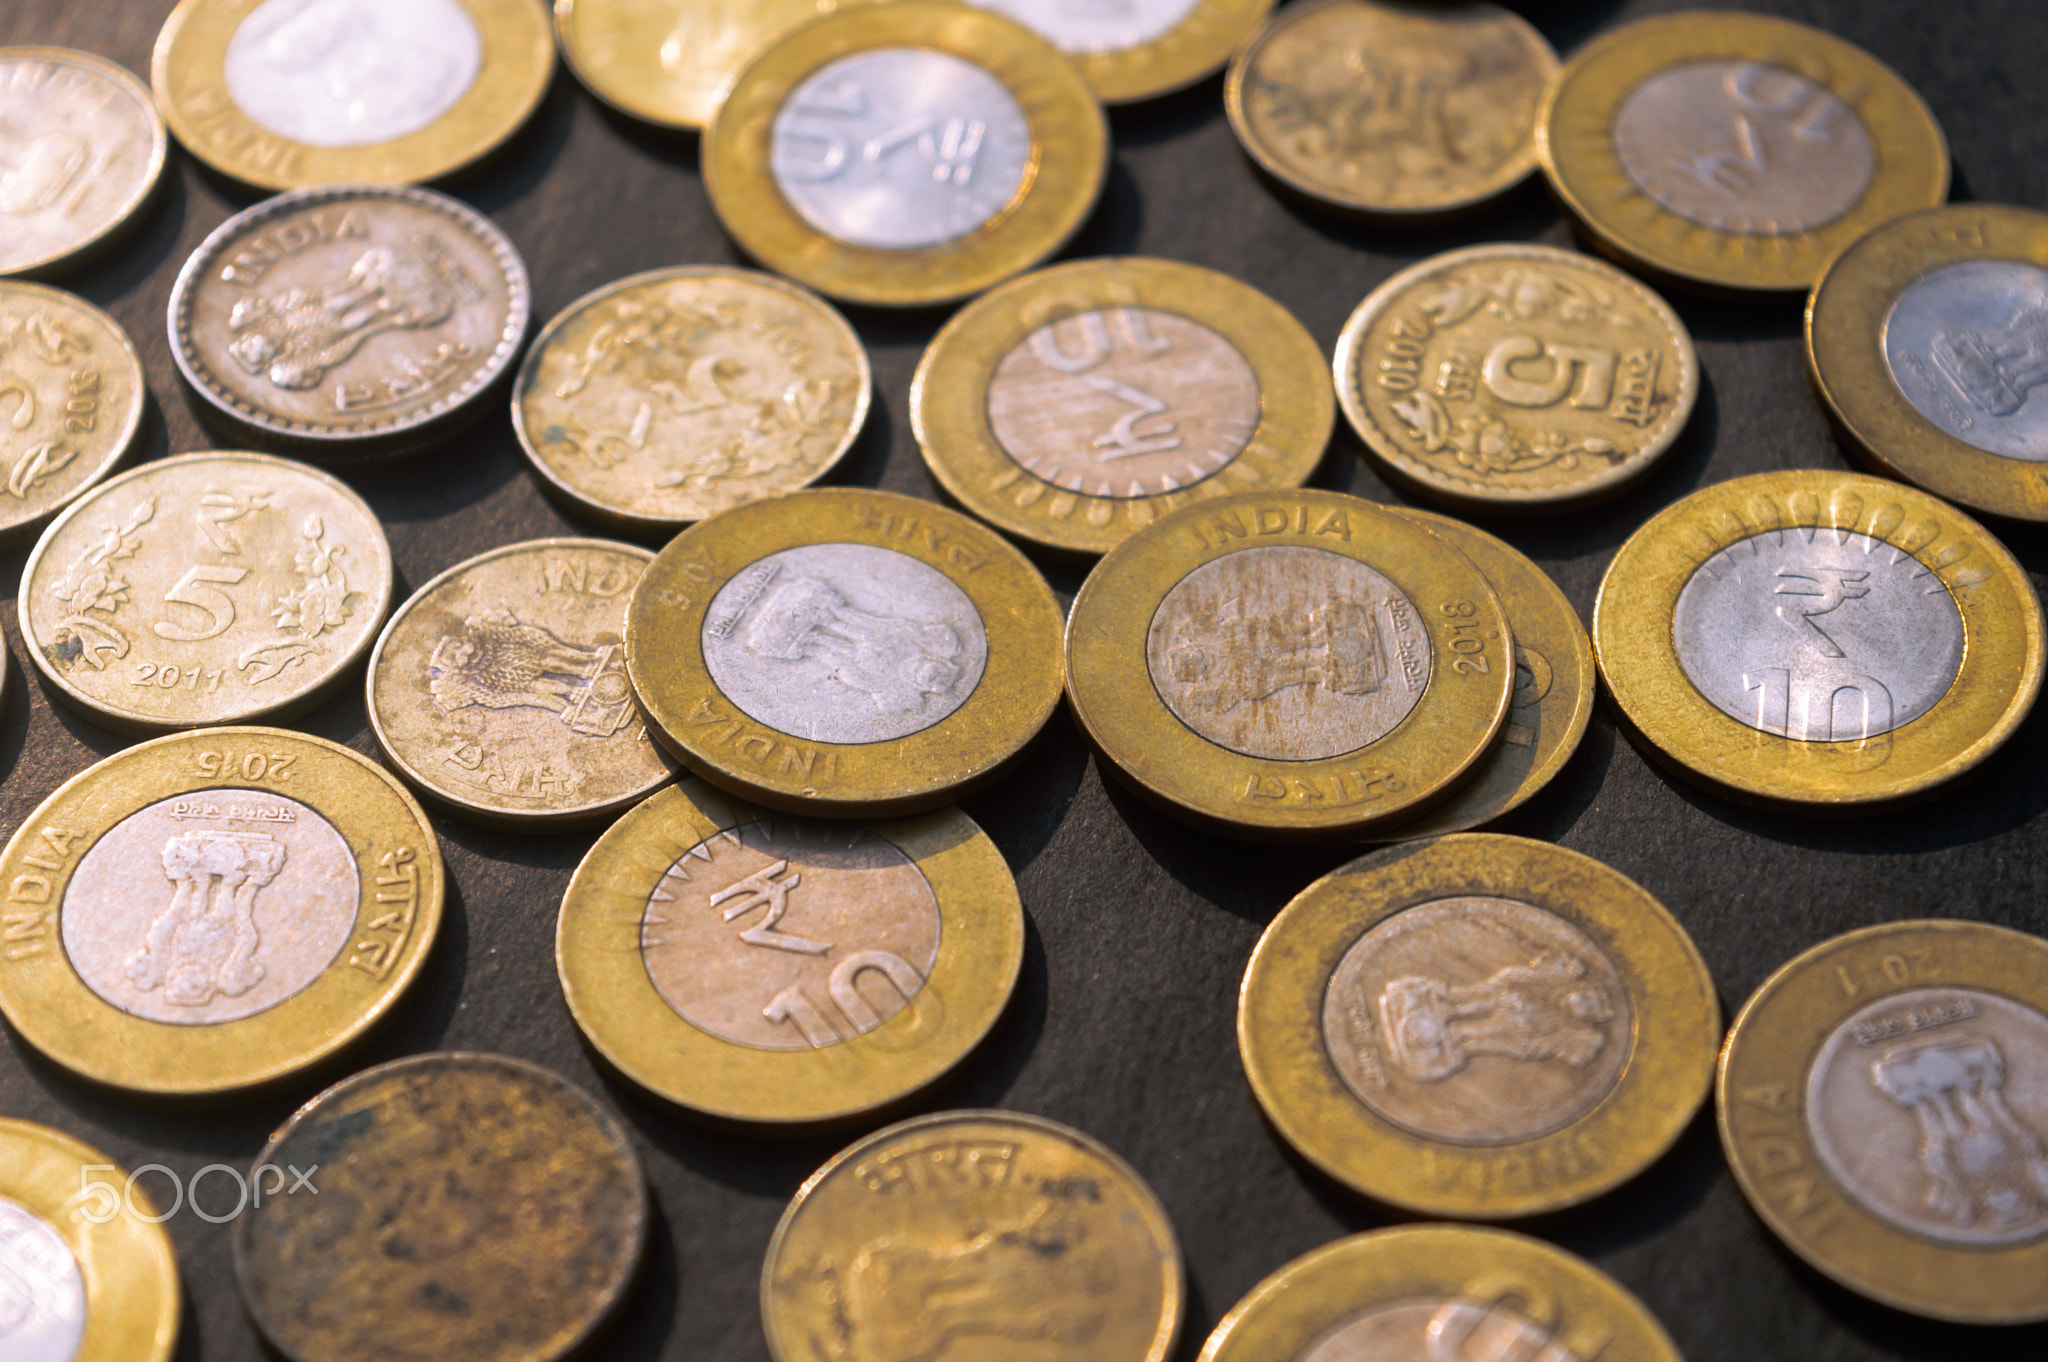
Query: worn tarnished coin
(87, 1273)
(1390, 108)
(1735, 152)
(1290, 664)
(83, 150)
(1439, 1293)
(964, 1227)
(1478, 1026)
(669, 396)
(349, 321)
(844, 652)
(214, 911)
(1078, 403)
(469, 1208)
(1926, 342)
(1515, 379)
(1884, 1105)
(500, 687)
(783, 971)
(71, 401)
(286, 93)
(205, 589)
(906, 154)
(1818, 641)
(1139, 49)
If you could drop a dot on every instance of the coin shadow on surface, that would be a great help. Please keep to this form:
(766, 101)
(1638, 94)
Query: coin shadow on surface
(679, 148)
(1898, 1334)
(1117, 223)
(647, 1312)
(1567, 23)
(1557, 808)
(1675, 1186)
(1023, 810)
(138, 250)
(1148, 122)
(515, 167)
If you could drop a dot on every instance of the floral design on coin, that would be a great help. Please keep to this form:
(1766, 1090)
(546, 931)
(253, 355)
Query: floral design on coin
(350, 73)
(71, 401)
(42, 1294)
(81, 148)
(1968, 346)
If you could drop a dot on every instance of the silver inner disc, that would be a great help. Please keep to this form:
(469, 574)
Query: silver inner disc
(1968, 346)
(1084, 26)
(352, 73)
(1440, 1329)
(42, 1294)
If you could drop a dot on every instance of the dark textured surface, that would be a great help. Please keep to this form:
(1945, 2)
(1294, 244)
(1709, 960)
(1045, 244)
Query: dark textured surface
(1124, 1024)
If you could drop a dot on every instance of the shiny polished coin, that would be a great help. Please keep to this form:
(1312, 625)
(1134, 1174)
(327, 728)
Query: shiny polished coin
(214, 911)
(206, 589)
(1479, 1026)
(286, 93)
(672, 395)
(1884, 1105)
(1290, 664)
(783, 970)
(500, 687)
(905, 154)
(1439, 1293)
(469, 1208)
(1735, 151)
(72, 397)
(1081, 402)
(1401, 110)
(1924, 339)
(973, 1225)
(1818, 641)
(1139, 49)
(84, 149)
(87, 1273)
(844, 652)
(349, 321)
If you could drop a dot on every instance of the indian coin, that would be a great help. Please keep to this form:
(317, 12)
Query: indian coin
(1318, 666)
(1735, 152)
(87, 1273)
(906, 154)
(835, 652)
(973, 1225)
(669, 396)
(1515, 379)
(1817, 641)
(211, 912)
(1439, 1293)
(1078, 403)
(286, 93)
(470, 1208)
(1884, 1105)
(1391, 109)
(205, 589)
(780, 970)
(84, 150)
(1956, 300)
(71, 398)
(1478, 1026)
(500, 688)
(349, 321)
(1139, 49)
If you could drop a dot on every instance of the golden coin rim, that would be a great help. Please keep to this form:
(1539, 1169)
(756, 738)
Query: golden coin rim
(1199, 45)
(52, 1009)
(1793, 1011)
(949, 394)
(1993, 692)
(1576, 150)
(1062, 180)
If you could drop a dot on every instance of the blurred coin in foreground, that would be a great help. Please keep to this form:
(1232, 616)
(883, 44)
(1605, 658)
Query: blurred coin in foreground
(86, 150)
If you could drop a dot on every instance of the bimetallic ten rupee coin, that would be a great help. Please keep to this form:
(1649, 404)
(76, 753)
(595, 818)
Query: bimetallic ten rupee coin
(285, 93)
(969, 1225)
(785, 971)
(205, 589)
(1515, 379)
(84, 150)
(669, 396)
(844, 652)
(1479, 1026)
(1817, 641)
(1076, 404)
(906, 154)
(1290, 664)
(1395, 110)
(87, 1273)
(1439, 1293)
(1884, 1105)
(468, 1208)
(1735, 152)
(500, 688)
(211, 912)
(1138, 49)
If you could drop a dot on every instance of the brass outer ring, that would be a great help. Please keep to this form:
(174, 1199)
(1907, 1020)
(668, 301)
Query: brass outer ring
(1193, 48)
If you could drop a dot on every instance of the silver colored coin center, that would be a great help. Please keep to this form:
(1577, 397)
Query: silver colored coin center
(900, 149)
(352, 73)
(42, 1294)
(1968, 345)
(1438, 1329)
(1091, 26)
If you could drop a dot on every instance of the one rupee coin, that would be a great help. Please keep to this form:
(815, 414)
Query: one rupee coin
(85, 152)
